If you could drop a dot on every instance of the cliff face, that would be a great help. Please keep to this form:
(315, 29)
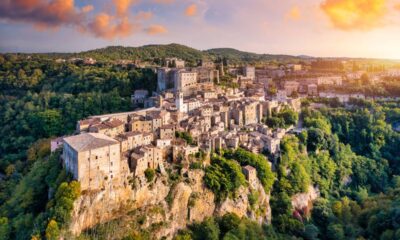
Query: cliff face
(165, 208)
(303, 202)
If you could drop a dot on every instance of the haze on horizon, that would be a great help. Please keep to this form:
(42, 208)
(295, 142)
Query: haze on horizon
(322, 28)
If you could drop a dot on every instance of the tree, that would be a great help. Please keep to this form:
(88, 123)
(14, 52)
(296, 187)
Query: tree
(335, 232)
(48, 123)
(208, 229)
(311, 232)
(229, 222)
(4, 228)
(52, 230)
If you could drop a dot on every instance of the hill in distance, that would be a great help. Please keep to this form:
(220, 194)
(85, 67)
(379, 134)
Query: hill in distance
(191, 55)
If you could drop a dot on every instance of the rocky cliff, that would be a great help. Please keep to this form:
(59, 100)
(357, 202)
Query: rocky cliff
(163, 207)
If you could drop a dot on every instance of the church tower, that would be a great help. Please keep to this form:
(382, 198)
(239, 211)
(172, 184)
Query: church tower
(179, 101)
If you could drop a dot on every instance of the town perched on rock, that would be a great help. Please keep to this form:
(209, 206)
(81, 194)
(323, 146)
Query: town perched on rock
(187, 115)
(196, 117)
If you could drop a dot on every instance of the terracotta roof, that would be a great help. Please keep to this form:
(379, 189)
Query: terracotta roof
(89, 121)
(88, 141)
(114, 123)
(134, 133)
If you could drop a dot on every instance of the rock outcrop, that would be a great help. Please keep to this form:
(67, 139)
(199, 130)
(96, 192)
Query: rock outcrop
(303, 201)
(166, 208)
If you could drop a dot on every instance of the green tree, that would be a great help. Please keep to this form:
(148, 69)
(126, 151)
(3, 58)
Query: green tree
(52, 230)
(4, 229)
(208, 229)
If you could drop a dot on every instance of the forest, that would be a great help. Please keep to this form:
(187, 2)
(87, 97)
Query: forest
(41, 99)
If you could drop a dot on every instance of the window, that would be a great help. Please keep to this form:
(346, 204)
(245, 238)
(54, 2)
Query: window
(111, 163)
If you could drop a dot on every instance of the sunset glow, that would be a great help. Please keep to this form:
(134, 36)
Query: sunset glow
(354, 28)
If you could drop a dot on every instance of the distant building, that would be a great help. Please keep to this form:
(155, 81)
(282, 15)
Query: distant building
(207, 64)
(139, 96)
(185, 82)
(294, 67)
(312, 89)
(174, 63)
(327, 65)
(330, 80)
(249, 72)
(165, 78)
(291, 87)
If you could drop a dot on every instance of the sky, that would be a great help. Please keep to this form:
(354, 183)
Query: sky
(321, 28)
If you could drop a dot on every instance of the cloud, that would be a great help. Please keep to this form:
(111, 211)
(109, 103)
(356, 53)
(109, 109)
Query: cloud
(164, 1)
(106, 26)
(294, 13)
(191, 10)
(355, 14)
(87, 8)
(51, 14)
(143, 15)
(156, 29)
(122, 6)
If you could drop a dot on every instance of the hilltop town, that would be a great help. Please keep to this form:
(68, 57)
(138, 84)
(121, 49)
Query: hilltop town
(192, 102)
(108, 149)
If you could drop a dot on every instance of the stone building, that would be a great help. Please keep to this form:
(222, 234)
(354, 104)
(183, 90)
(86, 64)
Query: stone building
(146, 157)
(167, 131)
(250, 174)
(139, 96)
(111, 128)
(186, 82)
(93, 159)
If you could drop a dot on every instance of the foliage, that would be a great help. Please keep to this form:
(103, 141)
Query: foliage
(229, 226)
(150, 174)
(283, 119)
(52, 230)
(264, 172)
(4, 229)
(185, 136)
(223, 177)
(62, 204)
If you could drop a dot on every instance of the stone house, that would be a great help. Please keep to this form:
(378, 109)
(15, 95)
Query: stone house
(93, 159)
(251, 175)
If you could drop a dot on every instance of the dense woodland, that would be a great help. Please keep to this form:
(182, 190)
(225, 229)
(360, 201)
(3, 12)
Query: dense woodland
(155, 53)
(41, 99)
(350, 152)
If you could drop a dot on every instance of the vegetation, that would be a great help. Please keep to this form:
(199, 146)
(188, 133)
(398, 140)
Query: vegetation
(283, 119)
(264, 172)
(185, 136)
(224, 177)
(350, 153)
(150, 174)
(41, 99)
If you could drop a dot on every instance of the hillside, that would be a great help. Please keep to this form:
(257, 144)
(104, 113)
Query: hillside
(191, 55)
(237, 56)
(147, 52)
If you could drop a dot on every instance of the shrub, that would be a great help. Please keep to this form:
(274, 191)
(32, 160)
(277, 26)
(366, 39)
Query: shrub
(150, 174)
(223, 177)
